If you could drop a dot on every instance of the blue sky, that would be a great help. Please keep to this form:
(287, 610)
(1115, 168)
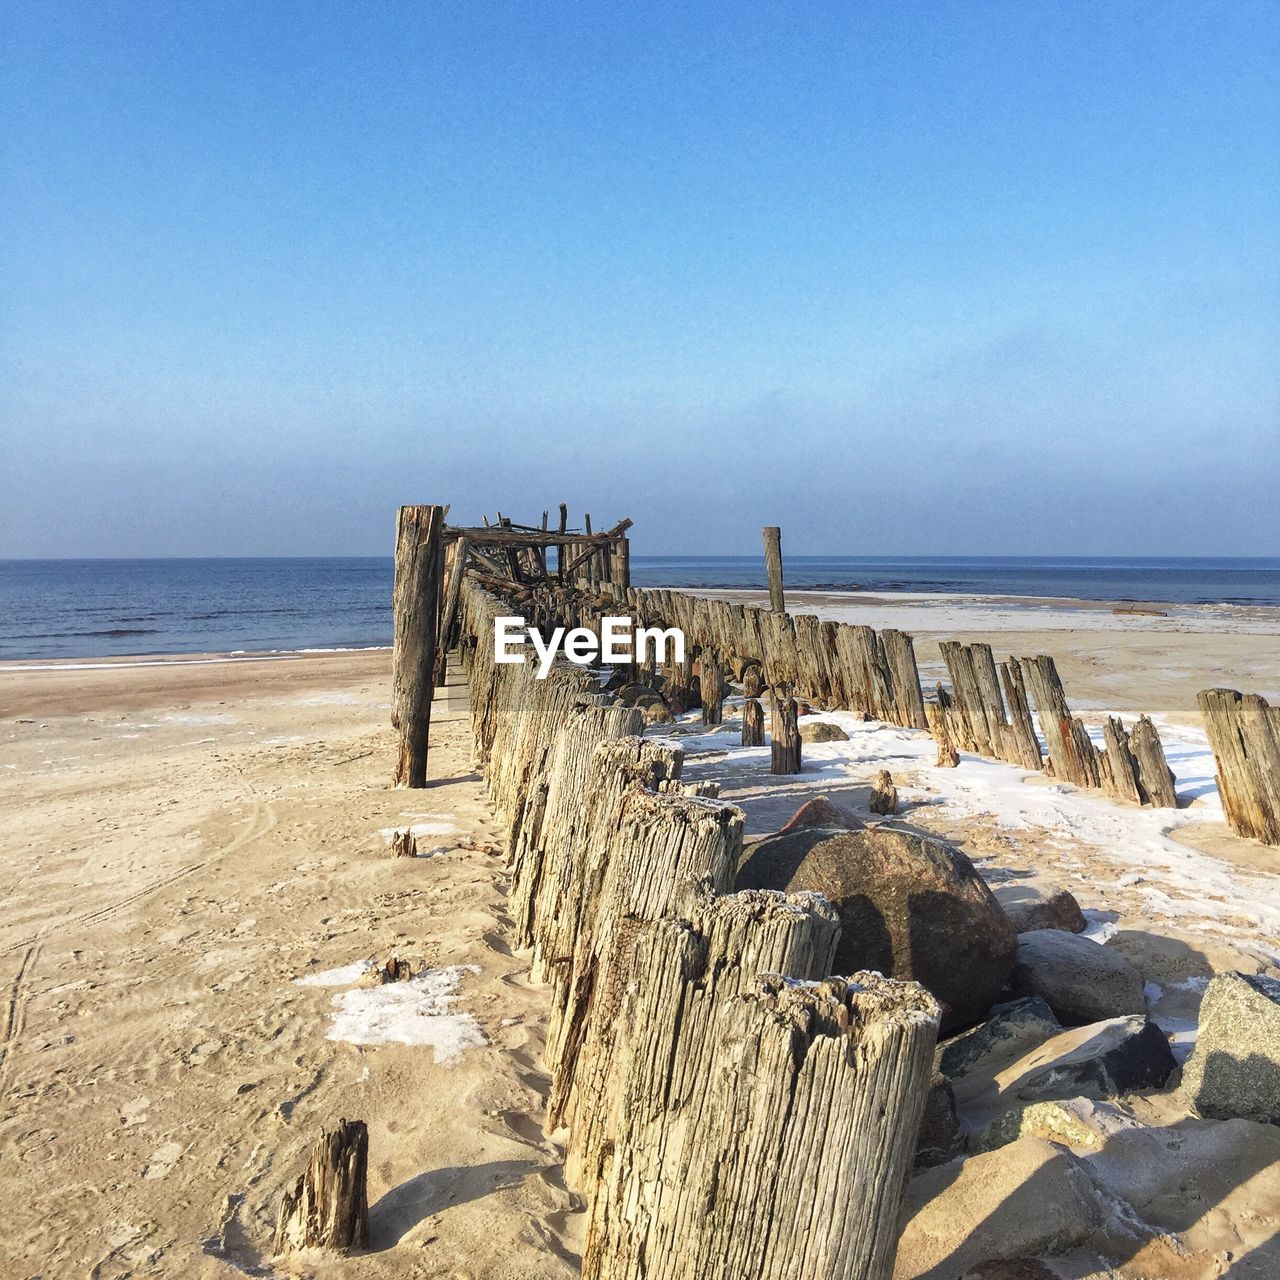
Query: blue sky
(985, 277)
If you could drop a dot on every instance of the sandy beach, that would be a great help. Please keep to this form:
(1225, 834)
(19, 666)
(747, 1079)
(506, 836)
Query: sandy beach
(181, 841)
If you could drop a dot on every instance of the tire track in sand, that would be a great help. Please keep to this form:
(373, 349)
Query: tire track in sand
(16, 1011)
(261, 820)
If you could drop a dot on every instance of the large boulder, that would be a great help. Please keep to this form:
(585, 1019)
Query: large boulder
(1079, 980)
(1037, 903)
(821, 811)
(1027, 1198)
(1234, 1069)
(909, 907)
(1103, 1060)
(822, 731)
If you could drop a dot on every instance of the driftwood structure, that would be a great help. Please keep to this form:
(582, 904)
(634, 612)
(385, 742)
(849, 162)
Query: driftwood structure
(990, 709)
(699, 1053)
(432, 561)
(732, 1110)
(1244, 731)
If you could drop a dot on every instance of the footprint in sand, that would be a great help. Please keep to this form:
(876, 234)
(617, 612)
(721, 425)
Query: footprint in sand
(163, 1158)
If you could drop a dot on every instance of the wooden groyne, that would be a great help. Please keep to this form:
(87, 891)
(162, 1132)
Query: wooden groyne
(703, 1062)
(987, 708)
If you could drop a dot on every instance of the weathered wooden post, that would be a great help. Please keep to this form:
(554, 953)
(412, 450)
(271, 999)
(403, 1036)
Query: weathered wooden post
(622, 562)
(446, 638)
(415, 606)
(948, 757)
(711, 687)
(784, 739)
(328, 1207)
(1244, 732)
(773, 567)
(790, 1157)
(752, 723)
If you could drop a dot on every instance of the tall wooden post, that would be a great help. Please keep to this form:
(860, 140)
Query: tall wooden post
(416, 605)
(449, 617)
(622, 562)
(773, 567)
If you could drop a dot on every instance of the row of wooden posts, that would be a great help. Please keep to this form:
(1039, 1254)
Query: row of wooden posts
(987, 710)
(703, 1061)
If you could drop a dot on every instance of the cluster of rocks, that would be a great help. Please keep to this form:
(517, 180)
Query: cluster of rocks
(1052, 1071)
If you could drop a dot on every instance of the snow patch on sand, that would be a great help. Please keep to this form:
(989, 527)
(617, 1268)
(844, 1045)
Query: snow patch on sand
(413, 1012)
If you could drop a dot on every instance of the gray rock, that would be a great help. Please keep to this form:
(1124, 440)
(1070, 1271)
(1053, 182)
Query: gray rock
(1080, 981)
(910, 908)
(1234, 1070)
(1036, 903)
(822, 731)
(1075, 1122)
(1026, 1022)
(1119, 1056)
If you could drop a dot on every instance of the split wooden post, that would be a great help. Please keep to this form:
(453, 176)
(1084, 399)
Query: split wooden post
(1155, 778)
(773, 567)
(328, 1207)
(448, 622)
(1244, 732)
(948, 756)
(416, 605)
(752, 723)
(784, 739)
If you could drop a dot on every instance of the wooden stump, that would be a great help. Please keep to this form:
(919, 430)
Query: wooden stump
(670, 976)
(1022, 730)
(752, 680)
(328, 1208)
(948, 756)
(752, 723)
(884, 795)
(1155, 778)
(1119, 768)
(784, 734)
(404, 844)
(667, 850)
(787, 1152)
(1074, 758)
(415, 601)
(711, 685)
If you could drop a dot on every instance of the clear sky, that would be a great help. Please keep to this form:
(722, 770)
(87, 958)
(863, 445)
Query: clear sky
(994, 276)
